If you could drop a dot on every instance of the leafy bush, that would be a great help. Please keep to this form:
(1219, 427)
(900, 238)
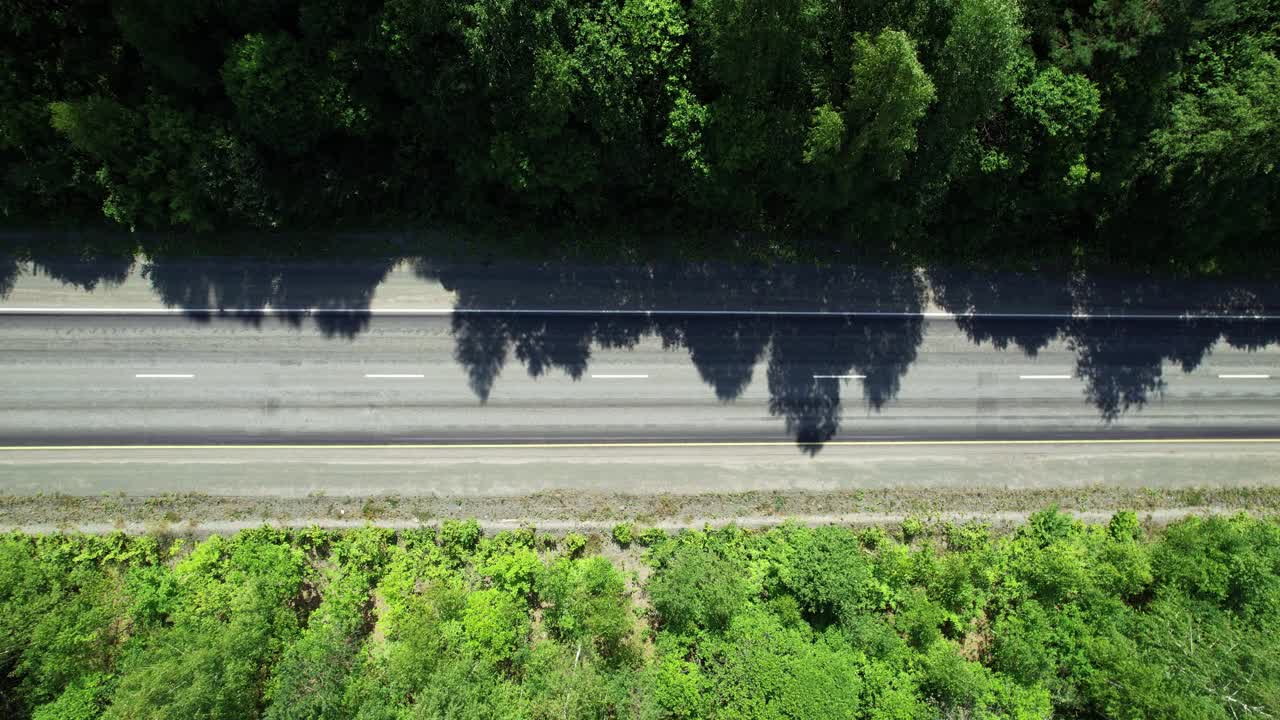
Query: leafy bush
(831, 574)
(623, 533)
(574, 544)
(1058, 618)
(586, 601)
(651, 536)
(460, 537)
(697, 588)
(514, 571)
(912, 528)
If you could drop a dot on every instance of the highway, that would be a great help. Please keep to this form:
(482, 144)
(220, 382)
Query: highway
(495, 380)
(425, 375)
(509, 404)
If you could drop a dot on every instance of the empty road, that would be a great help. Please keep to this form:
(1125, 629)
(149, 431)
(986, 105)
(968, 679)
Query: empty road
(509, 404)
(406, 380)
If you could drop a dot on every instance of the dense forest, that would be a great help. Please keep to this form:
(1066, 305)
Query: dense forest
(1057, 618)
(1050, 129)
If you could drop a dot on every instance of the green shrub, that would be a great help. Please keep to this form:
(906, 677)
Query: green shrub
(972, 535)
(651, 536)
(873, 537)
(698, 589)
(83, 700)
(514, 571)
(586, 602)
(1124, 525)
(912, 528)
(831, 575)
(1058, 618)
(574, 544)
(460, 536)
(622, 533)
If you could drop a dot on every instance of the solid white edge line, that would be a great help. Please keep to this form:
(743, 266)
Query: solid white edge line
(445, 312)
(690, 444)
(1244, 376)
(608, 376)
(163, 375)
(382, 376)
(1044, 377)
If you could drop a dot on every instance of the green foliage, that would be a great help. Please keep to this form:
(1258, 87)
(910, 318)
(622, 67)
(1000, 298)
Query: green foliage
(559, 683)
(912, 528)
(229, 627)
(979, 60)
(280, 100)
(1108, 131)
(1227, 117)
(1192, 661)
(697, 588)
(495, 625)
(888, 96)
(460, 537)
(969, 536)
(514, 571)
(624, 533)
(826, 135)
(962, 688)
(1124, 525)
(63, 617)
(1057, 618)
(81, 642)
(587, 603)
(574, 543)
(1059, 103)
(831, 575)
(199, 669)
(82, 700)
(765, 670)
(651, 536)
(919, 619)
(310, 679)
(1233, 563)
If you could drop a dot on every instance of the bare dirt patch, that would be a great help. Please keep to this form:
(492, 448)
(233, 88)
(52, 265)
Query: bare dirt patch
(598, 511)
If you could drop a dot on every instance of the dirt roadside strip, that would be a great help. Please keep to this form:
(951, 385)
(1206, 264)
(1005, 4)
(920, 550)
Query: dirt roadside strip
(581, 489)
(559, 527)
(559, 512)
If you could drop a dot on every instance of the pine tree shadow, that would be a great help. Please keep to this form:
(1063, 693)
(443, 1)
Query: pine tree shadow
(1121, 331)
(728, 319)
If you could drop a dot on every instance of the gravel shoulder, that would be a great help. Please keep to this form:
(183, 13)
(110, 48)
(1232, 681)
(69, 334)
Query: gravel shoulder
(587, 511)
(593, 489)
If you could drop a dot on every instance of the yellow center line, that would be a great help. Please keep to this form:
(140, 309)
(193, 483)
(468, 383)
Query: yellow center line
(594, 445)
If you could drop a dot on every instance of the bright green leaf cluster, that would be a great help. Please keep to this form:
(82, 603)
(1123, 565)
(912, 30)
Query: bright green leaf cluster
(1055, 618)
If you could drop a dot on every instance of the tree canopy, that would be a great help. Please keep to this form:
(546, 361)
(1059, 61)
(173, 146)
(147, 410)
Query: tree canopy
(978, 128)
(1053, 619)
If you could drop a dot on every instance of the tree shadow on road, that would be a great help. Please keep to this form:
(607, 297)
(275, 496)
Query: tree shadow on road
(627, 304)
(292, 289)
(1120, 350)
(732, 320)
(85, 262)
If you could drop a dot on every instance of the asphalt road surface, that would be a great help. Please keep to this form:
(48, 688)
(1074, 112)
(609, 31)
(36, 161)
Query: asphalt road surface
(439, 380)
(504, 404)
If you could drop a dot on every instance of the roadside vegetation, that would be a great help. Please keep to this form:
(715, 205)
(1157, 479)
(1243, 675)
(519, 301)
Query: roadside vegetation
(1131, 130)
(1056, 618)
(600, 511)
